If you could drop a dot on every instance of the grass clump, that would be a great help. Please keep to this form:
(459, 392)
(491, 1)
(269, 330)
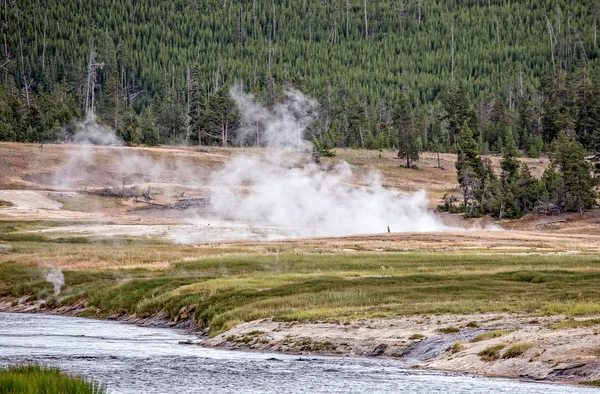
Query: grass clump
(457, 347)
(571, 323)
(448, 330)
(417, 337)
(491, 353)
(491, 335)
(472, 324)
(33, 379)
(517, 350)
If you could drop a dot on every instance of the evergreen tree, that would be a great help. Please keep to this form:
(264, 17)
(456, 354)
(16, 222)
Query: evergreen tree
(569, 158)
(470, 170)
(407, 139)
(150, 135)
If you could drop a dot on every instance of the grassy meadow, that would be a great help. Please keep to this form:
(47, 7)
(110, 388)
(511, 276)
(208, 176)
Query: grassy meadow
(313, 280)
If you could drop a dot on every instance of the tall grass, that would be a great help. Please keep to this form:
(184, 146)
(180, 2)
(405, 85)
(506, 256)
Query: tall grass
(35, 379)
(239, 282)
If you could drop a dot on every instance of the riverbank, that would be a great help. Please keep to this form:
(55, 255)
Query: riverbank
(541, 348)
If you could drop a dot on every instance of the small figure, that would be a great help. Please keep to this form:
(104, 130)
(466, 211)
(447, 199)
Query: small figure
(388, 228)
(42, 146)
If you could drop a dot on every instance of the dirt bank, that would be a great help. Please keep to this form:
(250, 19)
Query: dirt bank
(555, 348)
(440, 342)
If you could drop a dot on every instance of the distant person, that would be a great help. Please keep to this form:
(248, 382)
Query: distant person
(389, 229)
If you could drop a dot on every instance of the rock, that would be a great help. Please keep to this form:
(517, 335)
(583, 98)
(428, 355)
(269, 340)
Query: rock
(378, 351)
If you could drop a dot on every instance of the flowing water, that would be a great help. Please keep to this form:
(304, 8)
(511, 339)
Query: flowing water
(132, 359)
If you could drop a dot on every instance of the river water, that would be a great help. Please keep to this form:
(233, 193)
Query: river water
(132, 359)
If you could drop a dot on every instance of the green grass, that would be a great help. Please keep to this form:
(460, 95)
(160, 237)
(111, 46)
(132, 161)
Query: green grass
(417, 337)
(34, 379)
(235, 283)
(448, 330)
(457, 347)
(491, 335)
(517, 350)
(571, 323)
(491, 353)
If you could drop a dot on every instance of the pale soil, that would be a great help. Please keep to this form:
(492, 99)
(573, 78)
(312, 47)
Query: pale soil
(566, 355)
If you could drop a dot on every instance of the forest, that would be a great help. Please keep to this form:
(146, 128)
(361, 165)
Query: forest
(472, 77)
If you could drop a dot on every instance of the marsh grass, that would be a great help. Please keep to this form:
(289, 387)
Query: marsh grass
(491, 353)
(457, 347)
(238, 282)
(572, 323)
(517, 350)
(34, 379)
(491, 335)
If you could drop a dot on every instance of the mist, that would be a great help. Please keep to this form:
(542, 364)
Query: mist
(283, 188)
(272, 192)
(56, 277)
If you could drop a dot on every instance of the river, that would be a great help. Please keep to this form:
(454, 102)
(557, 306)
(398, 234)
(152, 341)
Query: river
(131, 359)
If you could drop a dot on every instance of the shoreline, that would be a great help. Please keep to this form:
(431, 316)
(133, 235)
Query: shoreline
(421, 342)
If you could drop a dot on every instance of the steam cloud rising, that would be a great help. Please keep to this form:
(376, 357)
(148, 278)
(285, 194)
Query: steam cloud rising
(56, 277)
(275, 192)
(281, 188)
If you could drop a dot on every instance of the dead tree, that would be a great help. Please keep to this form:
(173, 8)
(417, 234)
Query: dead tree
(366, 21)
(90, 88)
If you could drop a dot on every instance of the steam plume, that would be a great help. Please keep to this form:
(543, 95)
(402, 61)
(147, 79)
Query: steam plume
(56, 277)
(281, 188)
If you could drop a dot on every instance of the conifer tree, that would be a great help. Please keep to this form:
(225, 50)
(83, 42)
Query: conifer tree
(407, 139)
(469, 169)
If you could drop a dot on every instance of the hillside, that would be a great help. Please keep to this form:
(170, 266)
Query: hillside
(408, 45)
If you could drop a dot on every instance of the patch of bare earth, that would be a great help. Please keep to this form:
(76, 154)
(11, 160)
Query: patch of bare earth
(429, 341)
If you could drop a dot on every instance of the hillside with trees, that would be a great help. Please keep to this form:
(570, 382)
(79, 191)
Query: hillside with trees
(469, 77)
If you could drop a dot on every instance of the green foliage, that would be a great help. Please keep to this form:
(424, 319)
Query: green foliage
(179, 56)
(33, 379)
(407, 138)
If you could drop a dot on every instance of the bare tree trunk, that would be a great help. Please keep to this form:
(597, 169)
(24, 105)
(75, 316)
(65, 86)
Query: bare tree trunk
(595, 12)
(419, 4)
(274, 22)
(188, 86)
(347, 17)
(90, 79)
(23, 61)
(44, 47)
(521, 88)
(551, 43)
(452, 29)
(366, 21)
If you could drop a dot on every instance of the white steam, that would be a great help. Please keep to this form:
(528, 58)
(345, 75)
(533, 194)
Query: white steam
(283, 189)
(91, 133)
(56, 277)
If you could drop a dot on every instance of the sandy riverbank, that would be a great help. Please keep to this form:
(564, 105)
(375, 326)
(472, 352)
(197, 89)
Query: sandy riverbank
(427, 341)
(552, 350)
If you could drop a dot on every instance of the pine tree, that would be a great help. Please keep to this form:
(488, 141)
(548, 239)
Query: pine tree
(407, 139)
(150, 135)
(569, 158)
(470, 169)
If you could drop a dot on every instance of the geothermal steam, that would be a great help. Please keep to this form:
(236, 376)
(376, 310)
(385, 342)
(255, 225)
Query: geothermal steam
(282, 188)
(56, 277)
